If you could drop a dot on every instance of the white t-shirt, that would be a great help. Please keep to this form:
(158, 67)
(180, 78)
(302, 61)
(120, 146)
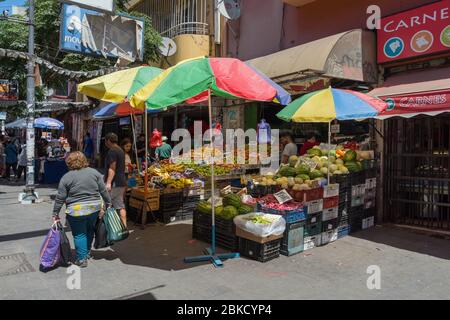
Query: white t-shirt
(290, 150)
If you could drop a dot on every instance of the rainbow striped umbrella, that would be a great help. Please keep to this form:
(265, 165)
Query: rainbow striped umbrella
(117, 86)
(223, 77)
(329, 104)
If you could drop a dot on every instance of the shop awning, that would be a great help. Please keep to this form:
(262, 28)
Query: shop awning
(416, 93)
(349, 55)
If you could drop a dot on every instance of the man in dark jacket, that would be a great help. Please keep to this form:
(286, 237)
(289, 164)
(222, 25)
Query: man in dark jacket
(11, 158)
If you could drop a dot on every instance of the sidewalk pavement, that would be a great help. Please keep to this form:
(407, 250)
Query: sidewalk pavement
(149, 265)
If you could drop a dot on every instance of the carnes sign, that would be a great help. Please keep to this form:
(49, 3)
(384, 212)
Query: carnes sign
(422, 31)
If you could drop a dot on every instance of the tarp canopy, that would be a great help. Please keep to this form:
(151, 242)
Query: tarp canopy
(415, 93)
(339, 56)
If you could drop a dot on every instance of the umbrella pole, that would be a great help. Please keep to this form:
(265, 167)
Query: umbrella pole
(329, 149)
(134, 142)
(210, 253)
(146, 154)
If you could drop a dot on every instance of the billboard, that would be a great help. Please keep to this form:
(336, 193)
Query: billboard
(103, 5)
(90, 32)
(414, 33)
(9, 90)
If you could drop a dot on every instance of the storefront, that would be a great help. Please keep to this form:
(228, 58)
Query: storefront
(416, 128)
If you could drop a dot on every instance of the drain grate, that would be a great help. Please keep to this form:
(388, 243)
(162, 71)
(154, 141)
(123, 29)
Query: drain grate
(14, 264)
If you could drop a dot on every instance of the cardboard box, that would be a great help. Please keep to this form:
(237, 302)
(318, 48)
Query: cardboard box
(250, 236)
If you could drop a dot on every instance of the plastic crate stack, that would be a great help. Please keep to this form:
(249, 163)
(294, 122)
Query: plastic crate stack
(171, 206)
(225, 230)
(313, 224)
(370, 196)
(188, 207)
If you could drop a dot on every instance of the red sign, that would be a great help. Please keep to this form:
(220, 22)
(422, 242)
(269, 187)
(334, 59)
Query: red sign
(420, 103)
(415, 33)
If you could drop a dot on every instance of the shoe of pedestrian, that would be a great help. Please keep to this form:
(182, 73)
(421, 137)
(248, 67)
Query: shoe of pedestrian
(81, 263)
(89, 256)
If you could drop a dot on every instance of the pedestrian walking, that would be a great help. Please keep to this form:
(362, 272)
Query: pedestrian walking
(11, 158)
(22, 164)
(115, 175)
(81, 190)
(2, 156)
(88, 146)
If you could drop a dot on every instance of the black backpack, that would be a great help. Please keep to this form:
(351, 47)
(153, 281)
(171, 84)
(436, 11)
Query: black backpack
(101, 237)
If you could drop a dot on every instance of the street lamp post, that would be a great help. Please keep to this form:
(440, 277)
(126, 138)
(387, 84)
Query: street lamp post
(30, 196)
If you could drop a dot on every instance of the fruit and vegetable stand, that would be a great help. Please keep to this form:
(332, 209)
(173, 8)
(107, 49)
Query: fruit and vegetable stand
(318, 213)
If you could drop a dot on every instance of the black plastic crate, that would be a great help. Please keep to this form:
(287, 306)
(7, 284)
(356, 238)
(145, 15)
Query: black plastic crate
(313, 218)
(356, 178)
(330, 224)
(355, 226)
(292, 242)
(369, 212)
(262, 252)
(313, 229)
(342, 180)
(225, 241)
(359, 210)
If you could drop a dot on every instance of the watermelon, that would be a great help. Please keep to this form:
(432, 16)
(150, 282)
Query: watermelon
(244, 209)
(218, 210)
(303, 169)
(350, 156)
(352, 166)
(229, 212)
(232, 200)
(293, 161)
(287, 171)
(204, 207)
(303, 176)
(316, 174)
(314, 152)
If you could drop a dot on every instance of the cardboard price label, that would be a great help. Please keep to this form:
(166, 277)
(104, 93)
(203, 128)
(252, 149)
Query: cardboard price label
(282, 196)
(156, 179)
(310, 163)
(188, 171)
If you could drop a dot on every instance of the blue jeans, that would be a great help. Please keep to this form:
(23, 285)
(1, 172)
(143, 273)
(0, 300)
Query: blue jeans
(83, 230)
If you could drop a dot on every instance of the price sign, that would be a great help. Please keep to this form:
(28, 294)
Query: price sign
(188, 171)
(156, 179)
(310, 163)
(283, 196)
(335, 128)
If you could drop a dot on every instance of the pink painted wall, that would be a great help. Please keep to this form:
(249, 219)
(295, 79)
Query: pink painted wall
(261, 29)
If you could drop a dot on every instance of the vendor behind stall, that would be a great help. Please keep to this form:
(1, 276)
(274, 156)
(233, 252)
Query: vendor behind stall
(289, 147)
(164, 151)
(310, 143)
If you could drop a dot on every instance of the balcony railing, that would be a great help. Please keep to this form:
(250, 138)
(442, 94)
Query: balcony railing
(187, 28)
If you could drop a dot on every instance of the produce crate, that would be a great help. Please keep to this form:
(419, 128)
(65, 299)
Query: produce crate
(330, 225)
(262, 252)
(330, 202)
(355, 211)
(144, 201)
(171, 199)
(342, 220)
(290, 216)
(225, 241)
(357, 201)
(329, 236)
(307, 195)
(355, 222)
(313, 229)
(342, 180)
(356, 178)
(292, 242)
(369, 165)
(310, 242)
(330, 214)
(343, 231)
(313, 207)
(225, 230)
(368, 222)
(314, 218)
(371, 183)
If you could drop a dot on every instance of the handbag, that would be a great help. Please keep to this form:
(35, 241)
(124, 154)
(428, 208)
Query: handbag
(101, 238)
(115, 230)
(65, 249)
(50, 250)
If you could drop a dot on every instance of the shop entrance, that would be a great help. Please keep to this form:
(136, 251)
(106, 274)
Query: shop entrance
(416, 166)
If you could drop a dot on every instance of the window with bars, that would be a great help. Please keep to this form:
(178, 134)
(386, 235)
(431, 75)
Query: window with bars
(175, 17)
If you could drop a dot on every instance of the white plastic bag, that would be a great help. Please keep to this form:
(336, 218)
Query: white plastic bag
(276, 228)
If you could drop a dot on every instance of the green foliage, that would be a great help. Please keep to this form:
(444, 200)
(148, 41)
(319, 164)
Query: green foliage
(14, 36)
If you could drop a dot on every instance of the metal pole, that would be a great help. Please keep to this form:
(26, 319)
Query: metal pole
(213, 198)
(30, 195)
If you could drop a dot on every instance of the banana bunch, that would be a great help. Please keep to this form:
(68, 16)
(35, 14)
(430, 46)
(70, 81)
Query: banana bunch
(177, 183)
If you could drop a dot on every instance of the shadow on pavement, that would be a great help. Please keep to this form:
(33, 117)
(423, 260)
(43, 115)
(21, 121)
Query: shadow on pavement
(142, 295)
(407, 240)
(158, 246)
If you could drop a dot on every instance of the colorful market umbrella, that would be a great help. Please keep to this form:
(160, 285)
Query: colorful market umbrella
(40, 123)
(117, 86)
(224, 77)
(114, 110)
(329, 104)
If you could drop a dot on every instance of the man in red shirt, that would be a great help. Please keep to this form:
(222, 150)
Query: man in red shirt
(310, 143)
